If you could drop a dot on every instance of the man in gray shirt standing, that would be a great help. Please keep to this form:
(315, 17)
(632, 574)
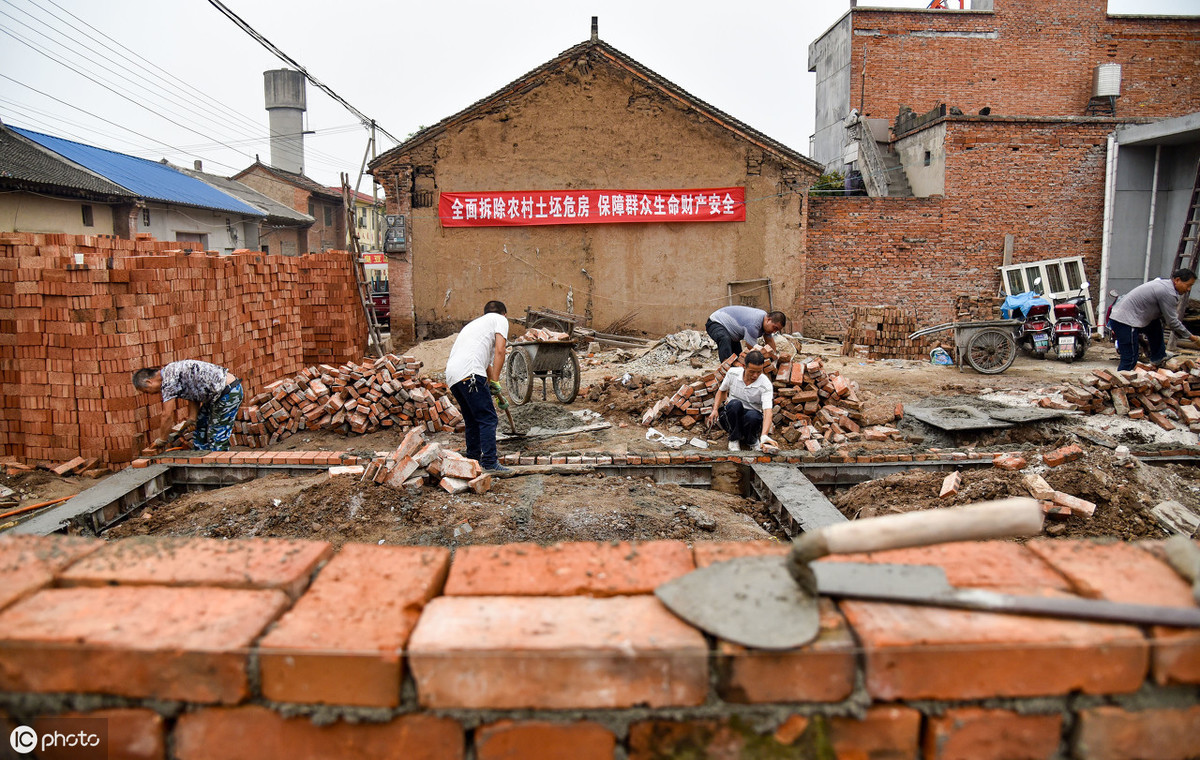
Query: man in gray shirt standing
(731, 325)
(1144, 310)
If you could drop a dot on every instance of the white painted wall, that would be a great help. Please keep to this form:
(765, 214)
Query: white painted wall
(226, 231)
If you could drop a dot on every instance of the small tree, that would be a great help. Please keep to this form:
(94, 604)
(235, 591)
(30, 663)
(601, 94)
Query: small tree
(829, 183)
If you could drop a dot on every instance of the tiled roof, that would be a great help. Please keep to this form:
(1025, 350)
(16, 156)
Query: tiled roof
(276, 212)
(359, 196)
(616, 57)
(24, 165)
(298, 180)
(144, 178)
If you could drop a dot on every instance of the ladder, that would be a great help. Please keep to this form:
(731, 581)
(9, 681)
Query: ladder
(1185, 256)
(1189, 245)
(360, 272)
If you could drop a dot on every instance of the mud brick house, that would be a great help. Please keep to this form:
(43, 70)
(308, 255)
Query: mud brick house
(305, 195)
(718, 206)
(995, 138)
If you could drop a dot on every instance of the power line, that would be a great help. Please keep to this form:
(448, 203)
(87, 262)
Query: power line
(110, 89)
(366, 120)
(107, 121)
(254, 131)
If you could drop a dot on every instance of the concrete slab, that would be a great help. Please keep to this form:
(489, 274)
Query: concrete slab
(794, 500)
(1029, 414)
(103, 503)
(955, 417)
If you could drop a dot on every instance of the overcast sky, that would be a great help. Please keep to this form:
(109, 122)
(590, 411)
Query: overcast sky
(177, 79)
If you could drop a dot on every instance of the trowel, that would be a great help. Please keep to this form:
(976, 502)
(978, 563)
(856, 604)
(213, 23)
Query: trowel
(771, 602)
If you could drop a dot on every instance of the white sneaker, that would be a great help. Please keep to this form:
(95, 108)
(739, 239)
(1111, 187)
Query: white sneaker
(735, 446)
(757, 447)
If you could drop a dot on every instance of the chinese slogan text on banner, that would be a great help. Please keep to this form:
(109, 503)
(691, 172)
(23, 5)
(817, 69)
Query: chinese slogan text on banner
(524, 208)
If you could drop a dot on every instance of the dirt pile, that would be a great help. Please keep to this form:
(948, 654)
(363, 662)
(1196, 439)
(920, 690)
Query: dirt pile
(542, 509)
(1123, 489)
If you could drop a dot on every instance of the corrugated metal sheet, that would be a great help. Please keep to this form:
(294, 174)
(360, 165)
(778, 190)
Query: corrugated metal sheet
(148, 179)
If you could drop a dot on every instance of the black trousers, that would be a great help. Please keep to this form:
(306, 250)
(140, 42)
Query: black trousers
(727, 345)
(743, 423)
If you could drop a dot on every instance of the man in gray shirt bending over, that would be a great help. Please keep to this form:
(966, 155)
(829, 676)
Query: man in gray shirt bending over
(1144, 310)
(731, 325)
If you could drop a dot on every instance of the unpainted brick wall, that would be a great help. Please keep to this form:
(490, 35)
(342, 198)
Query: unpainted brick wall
(71, 334)
(1040, 180)
(1027, 57)
(525, 651)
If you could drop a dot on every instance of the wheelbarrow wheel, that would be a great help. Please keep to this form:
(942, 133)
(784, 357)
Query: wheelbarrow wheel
(566, 380)
(519, 375)
(991, 351)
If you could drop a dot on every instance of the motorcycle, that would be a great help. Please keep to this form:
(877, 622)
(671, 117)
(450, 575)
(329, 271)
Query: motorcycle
(1072, 331)
(1036, 334)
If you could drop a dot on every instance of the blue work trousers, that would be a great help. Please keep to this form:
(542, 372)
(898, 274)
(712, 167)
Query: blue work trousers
(479, 414)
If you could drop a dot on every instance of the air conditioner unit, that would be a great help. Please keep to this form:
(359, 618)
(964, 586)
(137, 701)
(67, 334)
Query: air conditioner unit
(1106, 81)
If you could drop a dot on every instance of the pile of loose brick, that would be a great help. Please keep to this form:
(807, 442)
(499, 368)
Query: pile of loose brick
(355, 398)
(416, 462)
(881, 332)
(977, 308)
(1167, 397)
(811, 406)
(80, 313)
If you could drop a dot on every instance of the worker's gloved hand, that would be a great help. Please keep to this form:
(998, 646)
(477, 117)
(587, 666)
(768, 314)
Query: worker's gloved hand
(498, 394)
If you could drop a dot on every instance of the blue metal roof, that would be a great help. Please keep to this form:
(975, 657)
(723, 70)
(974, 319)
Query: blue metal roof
(148, 179)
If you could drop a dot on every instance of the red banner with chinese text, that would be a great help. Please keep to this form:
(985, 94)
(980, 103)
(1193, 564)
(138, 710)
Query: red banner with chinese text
(534, 207)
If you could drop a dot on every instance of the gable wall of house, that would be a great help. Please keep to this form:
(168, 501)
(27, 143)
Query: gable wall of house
(596, 126)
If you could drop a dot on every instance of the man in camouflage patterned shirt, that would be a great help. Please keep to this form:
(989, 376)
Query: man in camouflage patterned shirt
(213, 395)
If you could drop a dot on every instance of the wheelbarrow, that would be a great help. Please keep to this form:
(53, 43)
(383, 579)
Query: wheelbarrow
(989, 346)
(542, 360)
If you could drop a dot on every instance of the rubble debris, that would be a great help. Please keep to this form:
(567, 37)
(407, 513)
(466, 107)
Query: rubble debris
(1176, 518)
(1010, 462)
(812, 406)
(1062, 455)
(950, 484)
(1166, 395)
(417, 462)
(881, 332)
(539, 335)
(350, 399)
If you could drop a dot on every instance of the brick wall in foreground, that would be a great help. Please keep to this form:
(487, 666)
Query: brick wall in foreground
(285, 649)
(72, 333)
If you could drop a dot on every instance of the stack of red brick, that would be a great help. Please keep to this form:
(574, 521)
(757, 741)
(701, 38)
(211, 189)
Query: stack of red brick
(881, 332)
(811, 405)
(78, 314)
(1168, 397)
(350, 399)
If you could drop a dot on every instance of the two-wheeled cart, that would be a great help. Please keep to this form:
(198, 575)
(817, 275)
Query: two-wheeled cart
(553, 360)
(989, 346)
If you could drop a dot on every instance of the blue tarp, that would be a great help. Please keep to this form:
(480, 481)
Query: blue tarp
(148, 179)
(1021, 303)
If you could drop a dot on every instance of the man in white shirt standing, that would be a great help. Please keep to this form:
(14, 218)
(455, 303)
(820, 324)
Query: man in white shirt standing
(747, 416)
(473, 374)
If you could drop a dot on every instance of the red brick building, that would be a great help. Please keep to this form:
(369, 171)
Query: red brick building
(305, 195)
(1026, 180)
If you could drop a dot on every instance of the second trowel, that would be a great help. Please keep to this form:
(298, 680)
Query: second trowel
(771, 602)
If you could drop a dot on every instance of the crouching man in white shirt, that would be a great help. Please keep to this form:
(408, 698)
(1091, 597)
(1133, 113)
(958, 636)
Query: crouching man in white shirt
(473, 374)
(747, 416)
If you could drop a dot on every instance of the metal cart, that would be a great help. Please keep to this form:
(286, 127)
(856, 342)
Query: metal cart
(545, 360)
(550, 319)
(989, 346)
